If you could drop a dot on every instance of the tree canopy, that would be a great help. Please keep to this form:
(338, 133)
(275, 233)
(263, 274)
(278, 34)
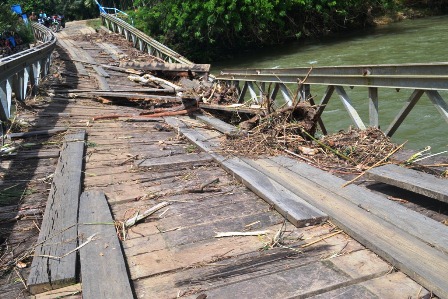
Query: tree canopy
(198, 27)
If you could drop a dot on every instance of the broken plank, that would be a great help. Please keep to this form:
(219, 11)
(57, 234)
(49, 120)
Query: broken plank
(175, 161)
(412, 180)
(58, 233)
(103, 269)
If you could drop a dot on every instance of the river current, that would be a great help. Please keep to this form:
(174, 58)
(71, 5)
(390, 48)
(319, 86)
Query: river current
(410, 41)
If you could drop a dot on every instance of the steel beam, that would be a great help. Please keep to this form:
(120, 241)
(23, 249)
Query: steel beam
(410, 103)
(439, 103)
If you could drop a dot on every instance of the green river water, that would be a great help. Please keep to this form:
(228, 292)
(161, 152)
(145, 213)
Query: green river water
(409, 41)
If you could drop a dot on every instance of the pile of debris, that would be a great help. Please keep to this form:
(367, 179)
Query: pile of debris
(292, 130)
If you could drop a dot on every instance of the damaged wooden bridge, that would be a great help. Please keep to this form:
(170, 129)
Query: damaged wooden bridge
(131, 206)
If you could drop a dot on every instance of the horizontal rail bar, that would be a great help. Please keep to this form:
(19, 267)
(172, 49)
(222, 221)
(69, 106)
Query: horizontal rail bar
(427, 82)
(435, 68)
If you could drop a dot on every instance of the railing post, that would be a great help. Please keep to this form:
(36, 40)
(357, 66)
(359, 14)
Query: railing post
(5, 97)
(349, 107)
(373, 107)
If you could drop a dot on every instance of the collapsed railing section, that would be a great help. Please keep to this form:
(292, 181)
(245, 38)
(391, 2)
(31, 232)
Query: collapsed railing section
(141, 41)
(21, 73)
(426, 79)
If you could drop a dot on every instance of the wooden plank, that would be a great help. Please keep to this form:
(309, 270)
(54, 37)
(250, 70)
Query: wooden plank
(422, 262)
(412, 180)
(79, 67)
(218, 124)
(103, 269)
(395, 285)
(35, 133)
(58, 233)
(293, 207)
(420, 226)
(243, 261)
(175, 161)
(82, 54)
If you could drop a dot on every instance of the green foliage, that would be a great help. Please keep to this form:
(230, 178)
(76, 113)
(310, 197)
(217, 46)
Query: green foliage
(10, 22)
(71, 9)
(202, 27)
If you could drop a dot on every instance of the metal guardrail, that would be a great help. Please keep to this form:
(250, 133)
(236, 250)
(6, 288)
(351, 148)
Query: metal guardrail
(426, 79)
(22, 72)
(141, 41)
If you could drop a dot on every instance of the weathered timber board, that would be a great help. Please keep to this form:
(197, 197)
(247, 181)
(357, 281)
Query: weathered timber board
(36, 133)
(412, 180)
(416, 224)
(423, 263)
(218, 124)
(306, 280)
(293, 207)
(79, 67)
(58, 233)
(103, 270)
(175, 161)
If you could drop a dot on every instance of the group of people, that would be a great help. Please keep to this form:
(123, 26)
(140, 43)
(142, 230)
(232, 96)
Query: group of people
(42, 18)
(9, 43)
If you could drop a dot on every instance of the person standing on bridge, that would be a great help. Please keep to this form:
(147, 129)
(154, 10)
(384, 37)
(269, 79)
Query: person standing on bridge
(33, 17)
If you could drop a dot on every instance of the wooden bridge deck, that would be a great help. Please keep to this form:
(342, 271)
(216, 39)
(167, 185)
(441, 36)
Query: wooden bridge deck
(174, 253)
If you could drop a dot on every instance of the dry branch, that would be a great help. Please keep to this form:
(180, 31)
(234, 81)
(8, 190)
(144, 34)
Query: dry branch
(137, 217)
(235, 234)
